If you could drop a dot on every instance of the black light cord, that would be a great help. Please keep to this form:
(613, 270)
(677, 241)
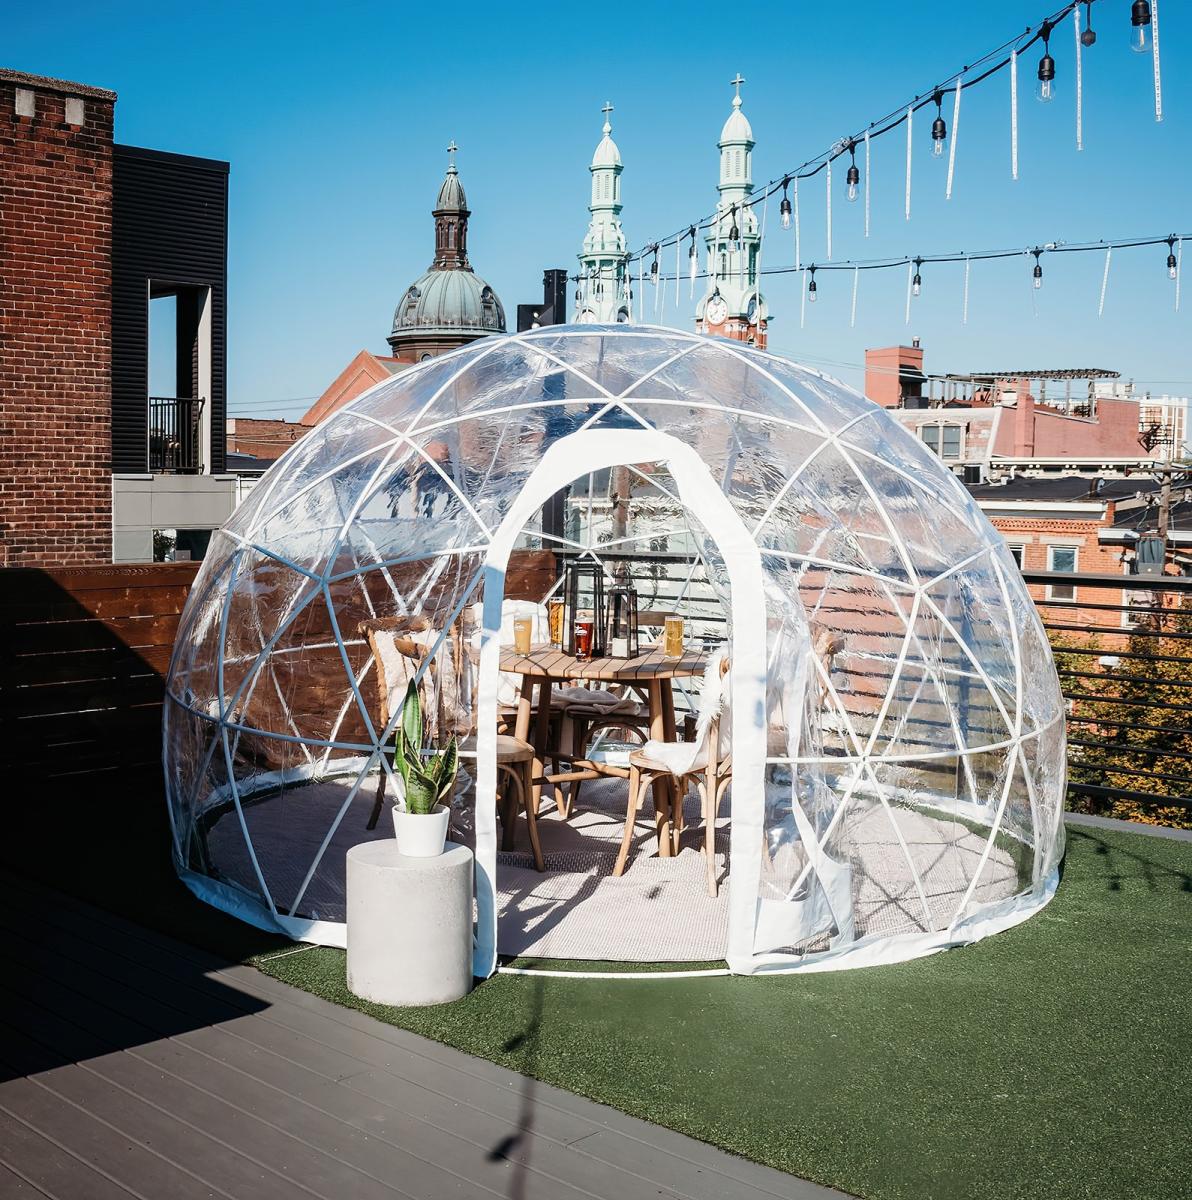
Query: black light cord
(891, 121)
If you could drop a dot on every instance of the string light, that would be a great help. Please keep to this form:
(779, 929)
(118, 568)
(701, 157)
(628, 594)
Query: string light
(811, 284)
(654, 267)
(853, 175)
(1140, 23)
(1172, 265)
(939, 127)
(734, 234)
(1087, 35)
(1037, 273)
(978, 71)
(917, 281)
(1045, 92)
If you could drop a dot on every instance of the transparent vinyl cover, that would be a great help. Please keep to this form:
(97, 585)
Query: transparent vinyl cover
(913, 724)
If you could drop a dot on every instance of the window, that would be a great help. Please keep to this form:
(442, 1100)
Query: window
(1061, 558)
(1018, 554)
(945, 440)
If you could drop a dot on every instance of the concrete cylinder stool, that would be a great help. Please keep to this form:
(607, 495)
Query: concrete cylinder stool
(409, 924)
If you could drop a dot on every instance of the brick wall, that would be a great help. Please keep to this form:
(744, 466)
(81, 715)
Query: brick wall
(55, 322)
(263, 438)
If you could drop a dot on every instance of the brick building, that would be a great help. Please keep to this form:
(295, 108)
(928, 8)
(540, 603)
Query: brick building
(55, 321)
(92, 468)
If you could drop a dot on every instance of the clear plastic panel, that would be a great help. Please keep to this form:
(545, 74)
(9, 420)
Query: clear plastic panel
(916, 761)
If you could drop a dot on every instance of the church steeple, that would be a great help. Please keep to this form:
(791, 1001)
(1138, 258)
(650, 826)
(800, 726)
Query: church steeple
(451, 220)
(732, 305)
(603, 295)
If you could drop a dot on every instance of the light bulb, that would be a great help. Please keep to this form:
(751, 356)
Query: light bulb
(939, 128)
(785, 209)
(1140, 23)
(852, 192)
(1038, 277)
(1171, 267)
(1046, 89)
(811, 289)
(916, 286)
(853, 178)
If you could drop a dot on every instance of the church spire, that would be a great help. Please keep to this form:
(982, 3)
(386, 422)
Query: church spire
(603, 295)
(451, 220)
(732, 305)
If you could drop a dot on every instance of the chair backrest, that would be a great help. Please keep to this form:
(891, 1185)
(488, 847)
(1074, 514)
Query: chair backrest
(400, 647)
(715, 695)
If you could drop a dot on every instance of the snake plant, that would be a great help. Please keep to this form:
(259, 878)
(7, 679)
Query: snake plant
(429, 781)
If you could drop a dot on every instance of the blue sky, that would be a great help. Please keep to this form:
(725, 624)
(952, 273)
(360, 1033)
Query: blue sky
(335, 119)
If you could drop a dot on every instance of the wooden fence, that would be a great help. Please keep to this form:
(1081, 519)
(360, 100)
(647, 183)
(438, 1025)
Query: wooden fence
(83, 658)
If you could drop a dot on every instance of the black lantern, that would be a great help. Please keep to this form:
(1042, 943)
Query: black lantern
(621, 625)
(583, 593)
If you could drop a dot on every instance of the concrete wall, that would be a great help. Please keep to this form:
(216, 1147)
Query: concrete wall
(143, 503)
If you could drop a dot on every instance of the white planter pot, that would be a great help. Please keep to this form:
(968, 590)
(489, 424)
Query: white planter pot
(421, 835)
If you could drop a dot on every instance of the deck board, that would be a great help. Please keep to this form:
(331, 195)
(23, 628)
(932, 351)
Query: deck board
(135, 1064)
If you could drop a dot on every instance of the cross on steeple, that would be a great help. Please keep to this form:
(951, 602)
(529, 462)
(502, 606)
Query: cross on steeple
(451, 149)
(608, 108)
(740, 79)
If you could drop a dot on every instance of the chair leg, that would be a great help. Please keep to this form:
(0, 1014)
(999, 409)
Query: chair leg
(579, 738)
(711, 809)
(509, 801)
(531, 808)
(636, 785)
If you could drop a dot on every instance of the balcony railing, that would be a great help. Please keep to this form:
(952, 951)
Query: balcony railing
(175, 435)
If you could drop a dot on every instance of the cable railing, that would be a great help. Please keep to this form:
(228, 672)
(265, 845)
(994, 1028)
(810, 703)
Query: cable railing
(1123, 651)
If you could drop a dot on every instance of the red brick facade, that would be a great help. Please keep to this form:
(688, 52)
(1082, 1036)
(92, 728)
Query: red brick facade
(263, 437)
(55, 322)
(1036, 534)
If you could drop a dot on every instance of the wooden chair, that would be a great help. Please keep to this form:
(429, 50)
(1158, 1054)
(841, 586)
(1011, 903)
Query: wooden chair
(399, 647)
(708, 767)
(588, 721)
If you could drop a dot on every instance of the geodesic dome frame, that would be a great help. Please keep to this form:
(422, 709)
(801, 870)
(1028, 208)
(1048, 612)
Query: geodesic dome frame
(900, 798)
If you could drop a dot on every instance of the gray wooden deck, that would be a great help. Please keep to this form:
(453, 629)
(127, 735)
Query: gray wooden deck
(133, 1065)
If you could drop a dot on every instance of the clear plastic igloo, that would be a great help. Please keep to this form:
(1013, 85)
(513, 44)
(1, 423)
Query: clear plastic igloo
(897, 727)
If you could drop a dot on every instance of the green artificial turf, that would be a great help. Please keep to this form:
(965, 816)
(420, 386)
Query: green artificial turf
(1048, 1061)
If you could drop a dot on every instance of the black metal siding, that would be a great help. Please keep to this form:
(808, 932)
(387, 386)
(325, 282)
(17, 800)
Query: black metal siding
(169, 225)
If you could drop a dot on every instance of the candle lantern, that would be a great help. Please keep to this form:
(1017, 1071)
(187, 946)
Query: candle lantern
(621, 625)
(583, 596)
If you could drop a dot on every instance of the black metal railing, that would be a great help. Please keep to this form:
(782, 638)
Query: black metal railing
(175, 435)
(1123, 650)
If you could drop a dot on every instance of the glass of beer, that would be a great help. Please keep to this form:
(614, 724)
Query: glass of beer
(672, 638)
(554, 616)
(522, 632)
(583, 637)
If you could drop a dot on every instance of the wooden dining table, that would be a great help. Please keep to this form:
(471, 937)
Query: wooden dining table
(650, 674)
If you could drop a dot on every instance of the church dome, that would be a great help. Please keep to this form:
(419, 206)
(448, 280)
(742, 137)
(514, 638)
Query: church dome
(450, 305)
(737, 127)
(449, 302)
(607, 154)
(451, 194)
